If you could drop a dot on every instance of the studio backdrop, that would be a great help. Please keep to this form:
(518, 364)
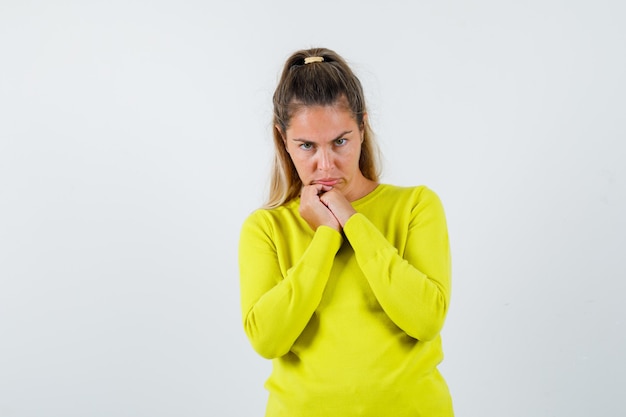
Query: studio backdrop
(135, 137)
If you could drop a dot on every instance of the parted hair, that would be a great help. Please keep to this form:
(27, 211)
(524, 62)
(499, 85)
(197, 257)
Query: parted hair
(315, 82)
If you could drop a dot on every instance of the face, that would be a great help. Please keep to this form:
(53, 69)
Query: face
(324, 143)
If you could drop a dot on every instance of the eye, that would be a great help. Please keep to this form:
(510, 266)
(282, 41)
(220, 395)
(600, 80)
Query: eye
(306, 146)
(340, 142)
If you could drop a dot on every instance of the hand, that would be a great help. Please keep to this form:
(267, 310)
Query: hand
(339, 205)
(313, 211)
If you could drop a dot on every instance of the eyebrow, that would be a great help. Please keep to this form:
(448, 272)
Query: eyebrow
(338, 137)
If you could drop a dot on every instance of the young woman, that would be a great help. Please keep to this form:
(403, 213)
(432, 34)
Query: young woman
(345, 282)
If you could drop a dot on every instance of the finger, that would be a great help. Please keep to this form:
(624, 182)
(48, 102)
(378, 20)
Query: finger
(324, 188)
(312, 188)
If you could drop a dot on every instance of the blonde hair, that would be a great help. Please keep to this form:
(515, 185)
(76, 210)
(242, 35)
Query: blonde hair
(315, 77)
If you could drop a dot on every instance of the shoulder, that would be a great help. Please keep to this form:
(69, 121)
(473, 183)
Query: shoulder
(268, 218)
(395, 200)
(418, 200)
(417, 193)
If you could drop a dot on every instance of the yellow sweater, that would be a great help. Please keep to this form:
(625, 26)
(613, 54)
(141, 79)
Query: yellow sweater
(351, 321)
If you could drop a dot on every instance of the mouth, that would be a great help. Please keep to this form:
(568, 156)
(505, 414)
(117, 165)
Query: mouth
(326, 181)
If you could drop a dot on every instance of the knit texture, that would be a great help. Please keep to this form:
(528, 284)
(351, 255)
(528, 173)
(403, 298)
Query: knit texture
(351, 321)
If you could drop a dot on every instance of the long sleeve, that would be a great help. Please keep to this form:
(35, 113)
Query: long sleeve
(348, 318)
(279, 295)
(412, 287)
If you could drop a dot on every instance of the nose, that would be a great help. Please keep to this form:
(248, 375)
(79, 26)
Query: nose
(325, 160)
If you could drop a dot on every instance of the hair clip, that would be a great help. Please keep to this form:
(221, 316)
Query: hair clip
(312, 59)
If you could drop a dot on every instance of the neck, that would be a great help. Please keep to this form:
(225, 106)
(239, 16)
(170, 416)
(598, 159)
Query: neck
(363, 188)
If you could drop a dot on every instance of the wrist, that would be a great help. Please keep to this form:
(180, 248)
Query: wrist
(343, 219)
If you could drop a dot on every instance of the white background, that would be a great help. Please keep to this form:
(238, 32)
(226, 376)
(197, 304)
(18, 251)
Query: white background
(135, 138)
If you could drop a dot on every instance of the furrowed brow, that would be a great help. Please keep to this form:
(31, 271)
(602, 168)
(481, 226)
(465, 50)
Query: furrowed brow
(347, 132)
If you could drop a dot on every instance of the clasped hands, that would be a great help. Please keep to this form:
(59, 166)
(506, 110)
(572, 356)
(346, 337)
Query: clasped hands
(321, 205)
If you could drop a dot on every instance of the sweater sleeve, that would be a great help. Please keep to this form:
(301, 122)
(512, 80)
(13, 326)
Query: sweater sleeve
(276, 305)
(413, 288)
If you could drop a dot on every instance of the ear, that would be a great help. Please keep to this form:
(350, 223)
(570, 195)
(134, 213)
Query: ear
(282, 136)
(362, 127)
(280, 132)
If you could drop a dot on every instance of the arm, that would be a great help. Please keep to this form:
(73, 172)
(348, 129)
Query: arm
(413, 289)
(277, 305)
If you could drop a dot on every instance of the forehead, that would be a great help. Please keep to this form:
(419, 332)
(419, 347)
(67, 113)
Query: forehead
(314, 121)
